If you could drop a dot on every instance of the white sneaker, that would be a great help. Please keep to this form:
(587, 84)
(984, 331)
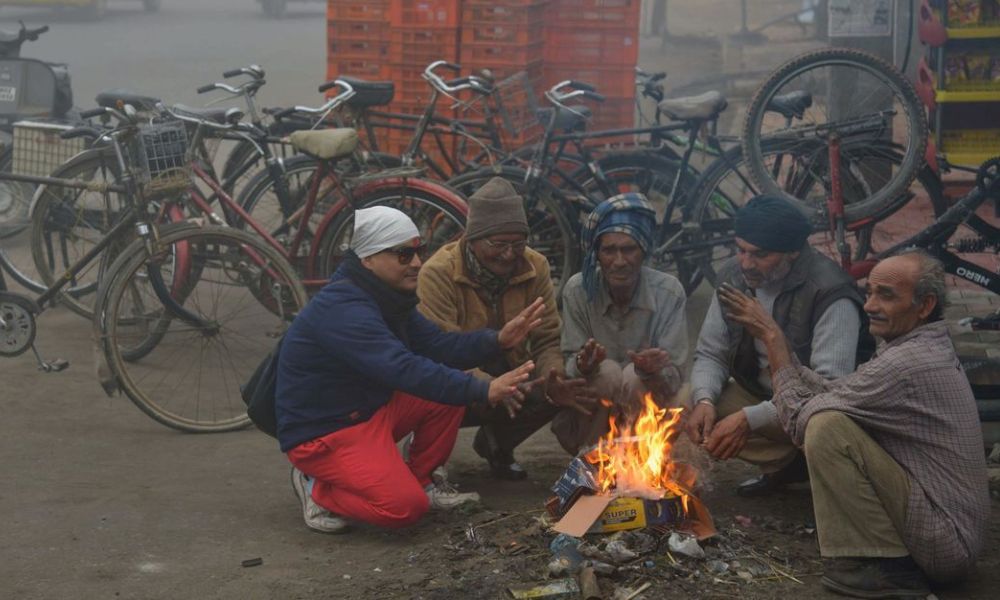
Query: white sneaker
(444, 496)
(316, 517)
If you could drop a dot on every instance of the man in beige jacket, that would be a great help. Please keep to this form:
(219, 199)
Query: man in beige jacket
(484, 280)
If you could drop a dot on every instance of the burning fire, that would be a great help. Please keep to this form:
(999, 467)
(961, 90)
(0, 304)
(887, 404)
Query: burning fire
(636, 461)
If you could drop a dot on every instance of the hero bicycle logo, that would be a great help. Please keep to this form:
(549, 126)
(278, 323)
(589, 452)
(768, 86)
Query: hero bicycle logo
(972, 276)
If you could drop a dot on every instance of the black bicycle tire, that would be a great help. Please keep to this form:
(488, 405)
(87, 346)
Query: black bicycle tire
(567, 220)
(904, 91)
(82, 162)
(127, 264)
(716, 171)
(327, 254)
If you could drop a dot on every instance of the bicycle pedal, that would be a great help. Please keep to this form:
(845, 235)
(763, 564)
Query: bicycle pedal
(54, 366)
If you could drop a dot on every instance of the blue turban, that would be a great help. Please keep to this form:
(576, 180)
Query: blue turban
(628, 213)
(773, 224)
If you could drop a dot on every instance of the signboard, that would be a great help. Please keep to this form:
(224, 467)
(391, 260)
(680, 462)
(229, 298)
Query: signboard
(860, 18)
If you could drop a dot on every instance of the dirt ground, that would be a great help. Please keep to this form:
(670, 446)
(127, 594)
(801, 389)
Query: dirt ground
(99, 501)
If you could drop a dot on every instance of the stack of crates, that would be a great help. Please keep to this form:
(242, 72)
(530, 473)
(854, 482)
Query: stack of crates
(358, 39)
(596, 42)
(420, 32)
(507, 38)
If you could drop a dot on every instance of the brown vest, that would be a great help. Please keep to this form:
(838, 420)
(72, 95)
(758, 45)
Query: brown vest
(813, 284)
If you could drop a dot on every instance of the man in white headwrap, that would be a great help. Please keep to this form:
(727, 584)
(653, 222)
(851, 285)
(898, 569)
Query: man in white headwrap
(360, 368)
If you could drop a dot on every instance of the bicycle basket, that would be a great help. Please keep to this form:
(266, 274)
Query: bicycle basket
(164, 165)
(517, 105)
(38, 149)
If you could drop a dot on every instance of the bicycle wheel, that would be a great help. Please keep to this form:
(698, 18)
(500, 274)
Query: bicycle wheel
(15, 200)
(190, 380)
(856, 98)
(553, 228)
(437, 220)
(654, 177)
(67, 223)
(725, 186)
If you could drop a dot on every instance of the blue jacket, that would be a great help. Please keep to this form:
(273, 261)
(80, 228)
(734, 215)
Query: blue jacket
(339, 363)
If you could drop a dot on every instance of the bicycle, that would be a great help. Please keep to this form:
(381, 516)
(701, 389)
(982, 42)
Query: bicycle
(182, 271)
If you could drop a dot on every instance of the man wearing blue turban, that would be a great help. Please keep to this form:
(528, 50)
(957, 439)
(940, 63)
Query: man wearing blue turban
(624, 327)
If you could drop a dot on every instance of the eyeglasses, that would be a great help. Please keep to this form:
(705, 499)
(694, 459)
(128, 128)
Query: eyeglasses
(501, 247)
(405, 254)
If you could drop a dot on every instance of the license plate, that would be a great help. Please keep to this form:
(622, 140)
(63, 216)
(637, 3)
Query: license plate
(7, 93)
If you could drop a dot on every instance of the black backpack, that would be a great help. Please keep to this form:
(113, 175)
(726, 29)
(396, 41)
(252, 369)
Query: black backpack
(259, 393)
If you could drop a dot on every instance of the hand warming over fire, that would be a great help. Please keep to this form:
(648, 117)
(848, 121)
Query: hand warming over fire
(504, 389)
(728, 436)
(570, 393)
(650, 362)
(748, 312)
(700, 422)
(589, 357)
(518, 328)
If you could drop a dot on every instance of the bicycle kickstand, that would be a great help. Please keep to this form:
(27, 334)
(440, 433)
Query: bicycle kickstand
(54, 366)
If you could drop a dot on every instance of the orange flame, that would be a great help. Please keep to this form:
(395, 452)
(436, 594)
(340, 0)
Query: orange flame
(636, 461)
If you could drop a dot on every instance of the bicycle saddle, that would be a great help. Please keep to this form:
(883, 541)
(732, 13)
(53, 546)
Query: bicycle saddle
(325, 144)
(216, 115)
(792, 104)
(369, 93)
(567, 119)
(705, 107)
(111, 98)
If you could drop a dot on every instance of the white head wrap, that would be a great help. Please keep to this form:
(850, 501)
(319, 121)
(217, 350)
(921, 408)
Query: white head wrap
(379, 228)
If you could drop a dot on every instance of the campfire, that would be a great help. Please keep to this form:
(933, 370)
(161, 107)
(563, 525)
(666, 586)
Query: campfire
(637, 460)
(630, 479)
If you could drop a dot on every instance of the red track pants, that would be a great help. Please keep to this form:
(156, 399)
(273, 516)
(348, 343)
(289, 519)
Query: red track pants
(359, 473)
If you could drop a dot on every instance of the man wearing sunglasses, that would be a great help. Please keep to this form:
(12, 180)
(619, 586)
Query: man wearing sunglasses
(485, 280)
(360, 368)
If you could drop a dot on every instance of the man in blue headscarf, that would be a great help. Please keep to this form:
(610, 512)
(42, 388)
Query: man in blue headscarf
(624, 327)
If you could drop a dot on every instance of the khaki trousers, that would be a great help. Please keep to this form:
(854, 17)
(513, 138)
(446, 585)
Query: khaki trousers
(770, 448)
(623, 387)
(860, 493)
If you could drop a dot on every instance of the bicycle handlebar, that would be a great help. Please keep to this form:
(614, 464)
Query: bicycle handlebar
(254, 71)
(578, 89)
(93, 112)
(347, 93)
(83, 131)
(32, 34)
(472, 82)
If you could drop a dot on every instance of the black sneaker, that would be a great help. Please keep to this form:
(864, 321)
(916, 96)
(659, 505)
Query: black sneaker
(875, 578)
(502, 464)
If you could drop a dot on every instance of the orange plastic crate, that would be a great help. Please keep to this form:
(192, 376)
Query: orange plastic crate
(365, 68)
(344, 49)
(357, 30)
(358, 10)
(593, 13)
(592, 46)
(420, 47)
(499, 55)
(424, 13)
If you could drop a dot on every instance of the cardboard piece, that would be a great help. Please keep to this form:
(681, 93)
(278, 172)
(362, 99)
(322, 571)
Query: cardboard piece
(582, 515)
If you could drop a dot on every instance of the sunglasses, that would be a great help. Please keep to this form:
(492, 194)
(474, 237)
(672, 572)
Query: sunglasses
(405, 254)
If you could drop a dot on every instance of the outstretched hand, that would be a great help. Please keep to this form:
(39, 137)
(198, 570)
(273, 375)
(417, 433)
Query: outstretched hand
(590, 356)
(518, 328)
(505, 388)
(650, 361)
(570, 393)
(748, 312)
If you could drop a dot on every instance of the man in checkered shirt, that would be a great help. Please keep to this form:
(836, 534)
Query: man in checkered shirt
(895, 450)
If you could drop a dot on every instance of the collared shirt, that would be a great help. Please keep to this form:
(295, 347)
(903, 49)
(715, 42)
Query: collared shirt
(655, 318)
(914, 400)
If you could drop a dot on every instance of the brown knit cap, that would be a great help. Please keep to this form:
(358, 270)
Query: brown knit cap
(495, 208)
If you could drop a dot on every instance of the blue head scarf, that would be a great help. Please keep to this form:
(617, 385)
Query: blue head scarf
(628, 213)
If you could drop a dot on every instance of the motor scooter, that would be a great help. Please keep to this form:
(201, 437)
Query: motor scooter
(37, 94)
